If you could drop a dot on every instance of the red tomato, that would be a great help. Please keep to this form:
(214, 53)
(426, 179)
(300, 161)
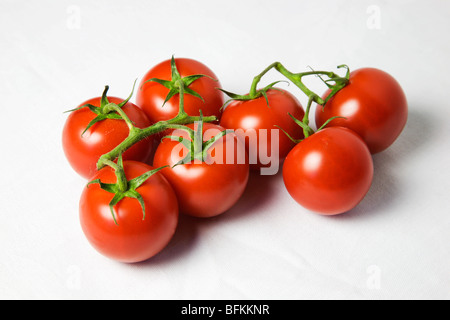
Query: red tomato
(151, 95)
(330, 172)
(208, 188)
(83, 151)
(255, 117)
(132, 238)
(374, 106)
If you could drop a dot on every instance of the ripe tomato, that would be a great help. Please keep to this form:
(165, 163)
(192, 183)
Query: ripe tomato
(84, 150)
(133, 238)
(253, 118)
(374, 106)
(329, 172)
(151, 95)
(205, 188)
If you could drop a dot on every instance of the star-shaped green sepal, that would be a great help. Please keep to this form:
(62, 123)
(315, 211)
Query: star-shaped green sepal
(125, 188)
(173, 84)
(258, 94)
(107, 110)
(197, 148)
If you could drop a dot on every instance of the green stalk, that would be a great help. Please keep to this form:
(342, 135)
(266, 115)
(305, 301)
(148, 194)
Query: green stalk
(122, 181)
(137, 134)
(114, 107)
(296, 78)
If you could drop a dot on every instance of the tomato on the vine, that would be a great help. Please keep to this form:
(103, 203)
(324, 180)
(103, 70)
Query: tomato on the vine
(83, 148)
(372, 104)
(127, 234)
(210, 186)
(329, 172)
(253, 118)
(151, 95)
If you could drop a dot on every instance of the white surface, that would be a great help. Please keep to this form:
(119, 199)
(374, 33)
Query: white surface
(56, 54)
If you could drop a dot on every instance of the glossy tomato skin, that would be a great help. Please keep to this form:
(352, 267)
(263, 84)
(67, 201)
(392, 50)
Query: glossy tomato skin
(83, 151)
(206, 190)
(151, 95)
(256, 115)
(132, 239)
(330, 172)
(374, 106)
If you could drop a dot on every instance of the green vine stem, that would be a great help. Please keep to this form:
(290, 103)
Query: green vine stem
(122, 182)
(296, 78)
(138, 134)
(197, 148)
(124, 188)
(334, 83)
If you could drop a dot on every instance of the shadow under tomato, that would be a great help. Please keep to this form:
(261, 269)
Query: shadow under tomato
(184, 240)
(258, 193)
(386, 188)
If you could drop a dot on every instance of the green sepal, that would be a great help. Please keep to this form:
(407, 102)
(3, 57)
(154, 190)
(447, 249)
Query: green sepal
(169, 85)
(197, 148)
(193, 93)
(344, 66)
(115, 200)
(104, 111)
(175, 74)
(339, 83)
(124, 102)
(264, 93)
(169, 96)
(110, 187)
(138, 181)
(190, 79)
(288, 135)
(247, 97)
(90, 106)
(235, 96)
(187, 159)
(173, 85)
(328, 121)
(101, 117)
(183, 141)
(104, 100)
(306, 129)
(136, 195)
(131, 191)
(165, 83)
(208, 144)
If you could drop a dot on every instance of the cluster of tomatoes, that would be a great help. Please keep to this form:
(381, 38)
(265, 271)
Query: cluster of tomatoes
(183, 149)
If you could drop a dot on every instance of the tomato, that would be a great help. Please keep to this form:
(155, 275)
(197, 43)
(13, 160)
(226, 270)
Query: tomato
(253, 118)
(84, 150)
(129, 236)
(374, 106)
(205, 188)
(151, 95)
(329, 172)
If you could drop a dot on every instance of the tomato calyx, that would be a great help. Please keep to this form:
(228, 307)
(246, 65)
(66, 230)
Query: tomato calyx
(174, 85)
(196, 146)
(334, 82)
(340, 83)
(252, 95)
(123, 187)
(304, 123)
(138, 134)
(107, 110)
(307, 130)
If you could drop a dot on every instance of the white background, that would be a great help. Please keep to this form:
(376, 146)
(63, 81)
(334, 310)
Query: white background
(394, 245)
